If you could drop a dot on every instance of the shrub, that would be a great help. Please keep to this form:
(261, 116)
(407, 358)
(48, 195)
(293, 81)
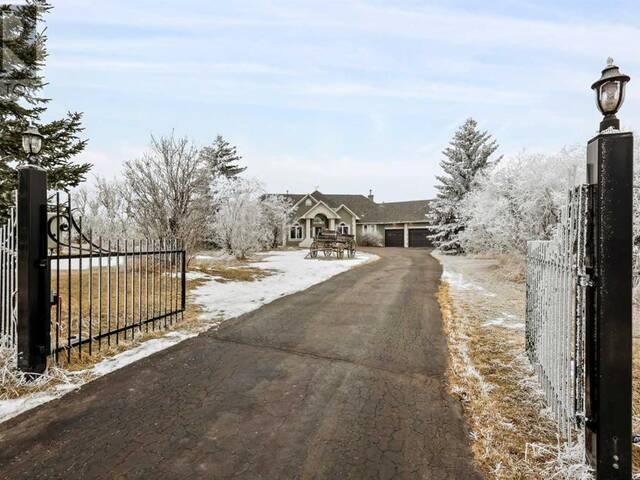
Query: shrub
(371, 239)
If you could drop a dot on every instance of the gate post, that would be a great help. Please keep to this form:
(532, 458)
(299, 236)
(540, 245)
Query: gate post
(34, 289)
(609, 298)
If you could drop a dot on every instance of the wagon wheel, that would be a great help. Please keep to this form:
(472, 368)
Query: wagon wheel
(313, 250)
(352, 250)
(340, 252)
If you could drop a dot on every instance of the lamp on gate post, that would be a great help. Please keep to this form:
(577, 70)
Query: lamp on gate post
(34, 280)
(31, 142)
(609, 89)
(608, 293)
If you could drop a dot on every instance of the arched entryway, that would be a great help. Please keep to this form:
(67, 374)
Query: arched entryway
(320, 222)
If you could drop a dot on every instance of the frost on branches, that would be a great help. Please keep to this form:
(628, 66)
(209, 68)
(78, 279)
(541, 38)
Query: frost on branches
(247, 220)
(517, 200)
(467, 155)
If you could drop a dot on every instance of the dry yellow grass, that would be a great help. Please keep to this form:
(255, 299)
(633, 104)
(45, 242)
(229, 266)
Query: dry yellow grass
(636, 400)
(101, 302)
(225, 274)
(511, 440)
(492, 377)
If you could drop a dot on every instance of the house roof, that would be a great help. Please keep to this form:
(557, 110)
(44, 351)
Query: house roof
(413, 211)
(367, 210)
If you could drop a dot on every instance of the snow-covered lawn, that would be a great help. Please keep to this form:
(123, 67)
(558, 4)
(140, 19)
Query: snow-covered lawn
(289, 272)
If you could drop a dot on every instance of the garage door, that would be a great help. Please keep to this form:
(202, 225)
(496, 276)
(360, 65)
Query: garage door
(418, 237)
(394, 238)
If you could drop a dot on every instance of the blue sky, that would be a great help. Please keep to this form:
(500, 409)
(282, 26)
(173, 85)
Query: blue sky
(346, 95)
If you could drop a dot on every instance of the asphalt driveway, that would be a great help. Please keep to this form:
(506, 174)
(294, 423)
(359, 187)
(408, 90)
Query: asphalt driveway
(342, 381)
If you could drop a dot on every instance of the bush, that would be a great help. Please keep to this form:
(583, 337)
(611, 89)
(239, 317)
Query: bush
(371, 239)
(518, 200)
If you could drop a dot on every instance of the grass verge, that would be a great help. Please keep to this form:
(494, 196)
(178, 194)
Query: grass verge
(490, 375)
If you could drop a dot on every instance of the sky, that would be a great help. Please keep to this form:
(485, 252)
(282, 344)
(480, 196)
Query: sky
(344, 96)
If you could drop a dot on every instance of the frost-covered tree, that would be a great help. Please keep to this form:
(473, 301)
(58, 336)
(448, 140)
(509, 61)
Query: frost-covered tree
(240, 226)
(104, 210)
(517, 200)
(167, 191)
(468, 154)
(277, 214)
(222, 159)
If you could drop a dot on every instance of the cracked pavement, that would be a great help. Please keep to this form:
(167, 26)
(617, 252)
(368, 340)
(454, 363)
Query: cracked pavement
(345, 380)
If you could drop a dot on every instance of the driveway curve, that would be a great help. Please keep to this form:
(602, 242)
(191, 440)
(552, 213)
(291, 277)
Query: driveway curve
(345, 380)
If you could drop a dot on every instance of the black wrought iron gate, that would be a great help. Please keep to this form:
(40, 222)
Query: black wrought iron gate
(67, 293)
(108, 290)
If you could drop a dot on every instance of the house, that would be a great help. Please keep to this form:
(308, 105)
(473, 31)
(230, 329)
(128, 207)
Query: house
(401, 224)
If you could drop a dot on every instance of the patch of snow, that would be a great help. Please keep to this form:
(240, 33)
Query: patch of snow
(145, 349)
(291, 272)
(457, 282)
(193, 275)
(506, 320)
(76, 263)
(15, 406)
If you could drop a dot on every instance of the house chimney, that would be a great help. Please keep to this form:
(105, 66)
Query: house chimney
(370, 196)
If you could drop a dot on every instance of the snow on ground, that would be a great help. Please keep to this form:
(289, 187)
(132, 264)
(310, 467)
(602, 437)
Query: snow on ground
(457, 281)
(477, 281)
(292, 273)
(219, 301)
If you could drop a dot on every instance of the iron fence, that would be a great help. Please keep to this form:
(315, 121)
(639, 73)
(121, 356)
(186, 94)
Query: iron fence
(555, 312)
(108, 290)
(9, 281)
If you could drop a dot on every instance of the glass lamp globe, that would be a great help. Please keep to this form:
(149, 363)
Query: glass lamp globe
(31, 141)
(609, 89)
(609, 97)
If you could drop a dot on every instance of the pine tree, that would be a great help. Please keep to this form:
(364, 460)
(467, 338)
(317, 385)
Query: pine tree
(22, 103)
(467, 155)
(222, 159)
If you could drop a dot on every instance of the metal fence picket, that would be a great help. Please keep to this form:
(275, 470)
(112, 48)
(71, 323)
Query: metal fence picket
(555, 312)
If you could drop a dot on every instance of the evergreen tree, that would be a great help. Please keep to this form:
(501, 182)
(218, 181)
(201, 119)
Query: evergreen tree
(222, 159)
(467, 155)
(22, 103)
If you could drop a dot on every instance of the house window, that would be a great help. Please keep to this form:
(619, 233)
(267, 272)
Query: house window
(370, 228)
(343, 229)
(295, 233)
(308, 202)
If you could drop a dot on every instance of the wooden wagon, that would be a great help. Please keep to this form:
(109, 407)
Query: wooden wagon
(330, 241)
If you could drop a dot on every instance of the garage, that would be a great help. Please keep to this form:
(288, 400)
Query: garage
(418, 237)
(394, 237)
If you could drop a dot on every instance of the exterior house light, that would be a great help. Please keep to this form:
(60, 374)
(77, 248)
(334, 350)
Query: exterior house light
(31, 141)
(609, 90)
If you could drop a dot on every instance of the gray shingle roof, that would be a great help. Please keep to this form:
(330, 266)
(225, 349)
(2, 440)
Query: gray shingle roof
(369, 211)
(397, 212)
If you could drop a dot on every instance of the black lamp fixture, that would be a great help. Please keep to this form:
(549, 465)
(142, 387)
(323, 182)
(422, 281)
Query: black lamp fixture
(609, 90)
(31, 141)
